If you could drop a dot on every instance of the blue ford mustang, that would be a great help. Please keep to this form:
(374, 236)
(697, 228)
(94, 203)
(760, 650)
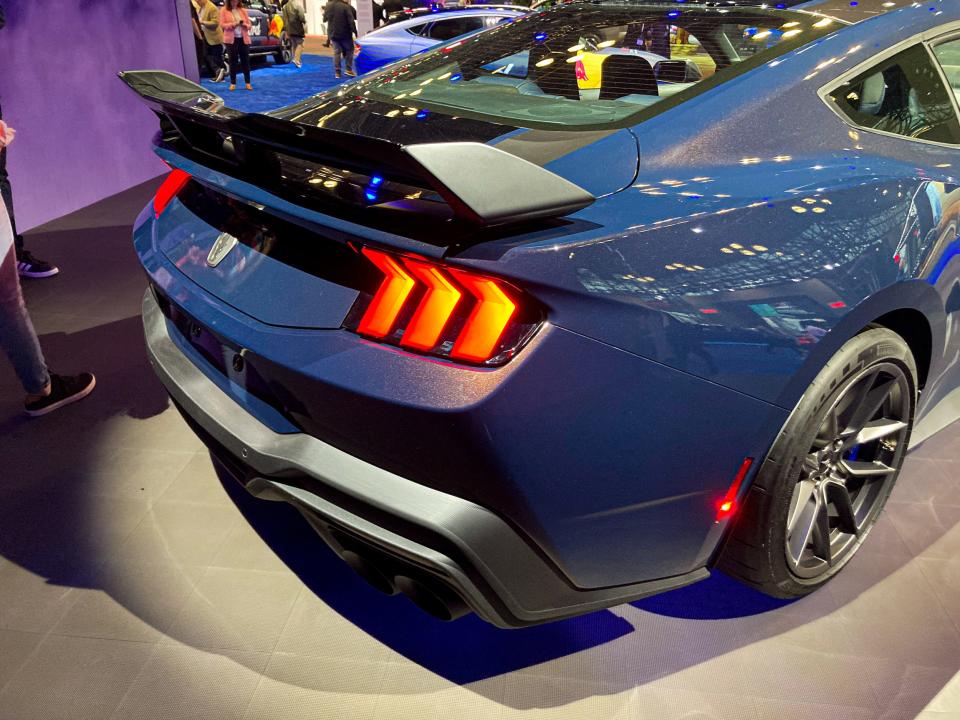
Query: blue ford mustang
(532, 341)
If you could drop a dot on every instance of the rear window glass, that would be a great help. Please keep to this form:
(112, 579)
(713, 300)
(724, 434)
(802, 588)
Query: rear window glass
(592, 65)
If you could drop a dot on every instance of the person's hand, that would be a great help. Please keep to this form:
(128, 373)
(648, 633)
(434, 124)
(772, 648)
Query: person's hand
(7, 134)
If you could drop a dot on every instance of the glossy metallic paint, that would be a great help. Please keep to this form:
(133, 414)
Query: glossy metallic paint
(688, 312)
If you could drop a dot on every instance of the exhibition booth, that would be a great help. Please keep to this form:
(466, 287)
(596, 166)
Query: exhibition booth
(588, 360)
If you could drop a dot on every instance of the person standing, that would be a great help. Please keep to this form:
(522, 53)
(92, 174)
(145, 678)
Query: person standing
(212, 38)
(295, 23)
(341, 29)
(235, 23)
(45, 391)
(27, 265)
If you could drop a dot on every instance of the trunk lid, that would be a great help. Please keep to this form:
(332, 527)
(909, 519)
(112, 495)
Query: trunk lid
(297, 192)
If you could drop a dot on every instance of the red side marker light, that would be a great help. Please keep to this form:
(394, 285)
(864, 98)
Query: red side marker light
(435, 309)
(727, 505)
(838, 305)
(709, 311)
(168, 190)
(488, 320)
(393, 292)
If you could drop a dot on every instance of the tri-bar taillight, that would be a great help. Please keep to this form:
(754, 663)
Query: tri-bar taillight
(444, 311)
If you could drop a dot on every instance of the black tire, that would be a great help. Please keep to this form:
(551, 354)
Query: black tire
(284, 56)
(806, 467)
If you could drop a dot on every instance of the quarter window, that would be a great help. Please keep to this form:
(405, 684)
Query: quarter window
(903, 95)
(948, 54)
(453, 27)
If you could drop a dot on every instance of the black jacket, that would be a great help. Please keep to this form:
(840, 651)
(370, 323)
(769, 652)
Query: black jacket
(340, 19)
(3, 18)
(392, 6)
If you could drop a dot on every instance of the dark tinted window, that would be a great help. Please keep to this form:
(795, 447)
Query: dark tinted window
(903, 95)
(452, 27)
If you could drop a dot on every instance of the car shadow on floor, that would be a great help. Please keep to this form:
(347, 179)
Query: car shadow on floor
(616, 642)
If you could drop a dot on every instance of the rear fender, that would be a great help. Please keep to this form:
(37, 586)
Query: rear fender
(911, 295)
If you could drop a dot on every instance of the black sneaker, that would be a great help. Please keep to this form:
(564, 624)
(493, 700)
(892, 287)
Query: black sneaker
(29, 267)
(65, 389)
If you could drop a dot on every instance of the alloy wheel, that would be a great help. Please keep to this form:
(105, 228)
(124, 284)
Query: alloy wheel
(849, 470)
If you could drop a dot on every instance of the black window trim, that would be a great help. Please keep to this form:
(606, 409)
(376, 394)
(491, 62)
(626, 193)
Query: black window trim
(927, 39)
(422, 27)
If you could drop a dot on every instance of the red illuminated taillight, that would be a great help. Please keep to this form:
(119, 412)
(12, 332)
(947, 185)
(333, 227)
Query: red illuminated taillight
(168, 190)
(486, 323)
(443, 311)
(393, 292)
(727, 505)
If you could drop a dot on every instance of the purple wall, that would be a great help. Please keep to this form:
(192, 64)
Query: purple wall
(81, 134)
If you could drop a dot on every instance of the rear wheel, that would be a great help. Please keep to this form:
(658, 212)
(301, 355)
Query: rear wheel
(830, 471)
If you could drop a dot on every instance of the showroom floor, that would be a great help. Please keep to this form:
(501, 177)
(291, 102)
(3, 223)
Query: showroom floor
(134, 584)
(278, 85)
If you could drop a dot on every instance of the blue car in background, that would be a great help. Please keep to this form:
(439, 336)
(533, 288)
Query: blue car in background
(525, 347)
(407, 37)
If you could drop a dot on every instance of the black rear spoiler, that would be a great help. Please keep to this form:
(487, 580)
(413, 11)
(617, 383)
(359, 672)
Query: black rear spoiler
(481, 184)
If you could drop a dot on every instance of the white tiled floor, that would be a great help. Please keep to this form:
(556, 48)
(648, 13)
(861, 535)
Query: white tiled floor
(132, 585)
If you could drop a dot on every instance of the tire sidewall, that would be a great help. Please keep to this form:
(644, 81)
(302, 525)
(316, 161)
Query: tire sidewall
(781, 469)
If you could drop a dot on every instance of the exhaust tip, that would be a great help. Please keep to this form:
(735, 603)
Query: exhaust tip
(369, 572)
(434, 598)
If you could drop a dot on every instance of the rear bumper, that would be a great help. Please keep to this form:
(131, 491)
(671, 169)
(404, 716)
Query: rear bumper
(403, 528)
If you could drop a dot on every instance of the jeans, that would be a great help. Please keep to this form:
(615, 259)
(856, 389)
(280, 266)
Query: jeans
(17, 336)
(7, 193)
(342, 48)
(239, 59)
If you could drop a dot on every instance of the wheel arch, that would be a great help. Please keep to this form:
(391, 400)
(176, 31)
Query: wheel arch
(913, 309)
(913, 326)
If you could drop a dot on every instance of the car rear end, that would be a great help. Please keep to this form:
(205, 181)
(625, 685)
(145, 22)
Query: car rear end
(333, 309)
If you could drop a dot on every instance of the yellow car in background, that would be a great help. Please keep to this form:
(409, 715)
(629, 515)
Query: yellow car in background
(589, 66)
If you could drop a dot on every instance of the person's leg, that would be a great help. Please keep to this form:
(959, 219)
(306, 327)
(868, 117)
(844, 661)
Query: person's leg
(337, 54)
(297, 50)
(208, 59)
(348, 58)
(234, 62)
(17, 336)
(45, 391)
(216, 61)
(245, 59)
(27, 264)
(7, 192)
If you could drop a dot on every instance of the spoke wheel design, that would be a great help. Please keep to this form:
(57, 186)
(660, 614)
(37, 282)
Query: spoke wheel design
(849, 470)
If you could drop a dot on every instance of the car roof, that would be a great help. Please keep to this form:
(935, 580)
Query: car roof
(854, 11)
(438, 14)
